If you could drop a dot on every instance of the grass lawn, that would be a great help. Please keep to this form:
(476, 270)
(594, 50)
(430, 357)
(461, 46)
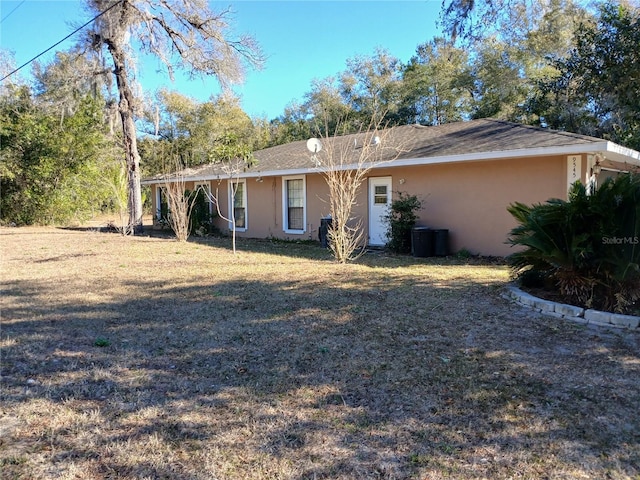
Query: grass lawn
(145, 358)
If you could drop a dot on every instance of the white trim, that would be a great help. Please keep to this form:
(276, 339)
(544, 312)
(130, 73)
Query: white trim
(622, 154)
(285, 220)
(160, 190)
(207, 189)
(608, 149)
(574, 170)
(230, 184)
(387, 181)
(158, 213)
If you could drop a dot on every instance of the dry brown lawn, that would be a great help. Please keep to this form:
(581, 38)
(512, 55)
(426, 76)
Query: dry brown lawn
(145, 358)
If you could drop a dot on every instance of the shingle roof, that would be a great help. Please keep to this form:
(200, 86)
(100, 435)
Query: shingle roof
(484, 135)
(415, 142)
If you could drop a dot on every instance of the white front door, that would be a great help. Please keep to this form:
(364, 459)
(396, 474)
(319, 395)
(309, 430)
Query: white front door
(379, 204)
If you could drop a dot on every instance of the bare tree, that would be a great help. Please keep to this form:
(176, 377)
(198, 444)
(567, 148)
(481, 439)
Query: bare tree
(232, 170)
(345, 162)
(180, 202)
(182, 34)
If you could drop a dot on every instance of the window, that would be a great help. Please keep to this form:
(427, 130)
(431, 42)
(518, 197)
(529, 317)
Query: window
(293, 201)
(162, 204)
(238, 201)
(202, 210)
(380, 195)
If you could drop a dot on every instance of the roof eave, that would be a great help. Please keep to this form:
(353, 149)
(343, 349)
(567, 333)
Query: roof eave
(621, 154)
(609, 149)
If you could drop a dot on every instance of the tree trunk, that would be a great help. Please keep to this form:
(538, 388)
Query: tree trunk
(132, 157)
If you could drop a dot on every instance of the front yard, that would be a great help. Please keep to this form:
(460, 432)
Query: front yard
(144, 358)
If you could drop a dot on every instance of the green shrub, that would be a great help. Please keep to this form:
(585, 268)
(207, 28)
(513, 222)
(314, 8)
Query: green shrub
(52, 167)
(102, 342)
(588, 247)
(464, 254)
(201, 219)
(400, 220)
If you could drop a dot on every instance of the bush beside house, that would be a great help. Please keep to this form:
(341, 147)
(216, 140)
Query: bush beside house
(587, 248)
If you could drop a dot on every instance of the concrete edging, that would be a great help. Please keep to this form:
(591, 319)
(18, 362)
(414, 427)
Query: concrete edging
(572, 313)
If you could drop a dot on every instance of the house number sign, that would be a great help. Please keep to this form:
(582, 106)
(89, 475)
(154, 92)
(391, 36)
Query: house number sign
(574, 169)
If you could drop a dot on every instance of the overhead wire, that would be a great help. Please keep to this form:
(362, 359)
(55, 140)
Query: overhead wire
(14, 9)
(58, 43)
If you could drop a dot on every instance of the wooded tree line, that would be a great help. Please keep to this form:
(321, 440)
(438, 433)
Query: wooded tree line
(568, 69)
(58, 158)
(63, 138)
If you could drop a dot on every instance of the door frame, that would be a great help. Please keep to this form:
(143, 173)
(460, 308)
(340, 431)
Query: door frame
(376, 223)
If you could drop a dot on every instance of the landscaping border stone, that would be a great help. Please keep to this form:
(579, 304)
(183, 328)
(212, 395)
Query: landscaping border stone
(572, 313)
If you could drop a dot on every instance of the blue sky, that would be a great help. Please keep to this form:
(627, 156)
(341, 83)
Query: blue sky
(302, 40)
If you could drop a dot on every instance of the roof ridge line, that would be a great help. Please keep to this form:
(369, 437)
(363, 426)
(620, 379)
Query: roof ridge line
(543, 129)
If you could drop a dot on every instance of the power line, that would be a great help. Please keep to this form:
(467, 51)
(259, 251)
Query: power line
(14, 9)
(58, 43)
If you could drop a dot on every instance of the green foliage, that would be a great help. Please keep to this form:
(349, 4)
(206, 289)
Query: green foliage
(51, 163)
(292, 125)
(114, 180)
(499, 81)
(102, 342)
(559, 64)
(464, 254)
(436, 85)
(587, 247)
(595, 90)
(475, 20)
(495, 76)
(400, 220)
(370, 86)
(197, 133)
(201, 219)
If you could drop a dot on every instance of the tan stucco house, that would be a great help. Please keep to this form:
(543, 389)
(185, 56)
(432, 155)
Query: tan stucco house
(466, 173)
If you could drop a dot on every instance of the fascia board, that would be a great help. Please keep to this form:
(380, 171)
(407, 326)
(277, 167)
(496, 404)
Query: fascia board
(610, 149)
(155, 181)
(216, 177)
(494, 155)
(505, 154)
(622, 154)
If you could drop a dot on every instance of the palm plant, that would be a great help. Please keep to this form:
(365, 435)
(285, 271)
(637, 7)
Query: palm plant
(587, 247)
(617, 204)
(557, 247)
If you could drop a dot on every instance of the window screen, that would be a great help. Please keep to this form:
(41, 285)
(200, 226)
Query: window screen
(295, 204)
(239, 206)
(380, 195)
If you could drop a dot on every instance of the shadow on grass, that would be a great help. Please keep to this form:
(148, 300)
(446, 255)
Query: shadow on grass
(359, 377)
(307, 249)
(312, 250)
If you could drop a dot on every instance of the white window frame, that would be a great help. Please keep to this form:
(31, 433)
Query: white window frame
(160, 189)
(285, 205)
(231, 184)
(207, 190)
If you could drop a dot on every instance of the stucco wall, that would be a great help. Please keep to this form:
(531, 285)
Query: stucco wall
(469, 199)
(265, 217)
